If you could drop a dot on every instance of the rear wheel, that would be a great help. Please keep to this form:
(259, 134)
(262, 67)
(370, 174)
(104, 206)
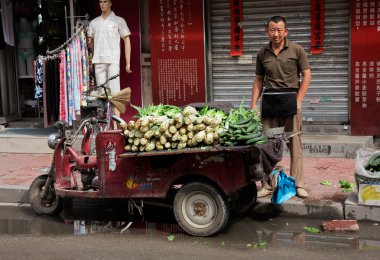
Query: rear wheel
(200, 209)
(50, 204)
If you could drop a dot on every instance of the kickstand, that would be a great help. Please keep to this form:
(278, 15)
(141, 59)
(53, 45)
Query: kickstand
(132, 204)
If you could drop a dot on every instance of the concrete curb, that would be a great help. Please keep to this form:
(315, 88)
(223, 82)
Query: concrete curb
(294, 207)
(360, 212)
(14, 194)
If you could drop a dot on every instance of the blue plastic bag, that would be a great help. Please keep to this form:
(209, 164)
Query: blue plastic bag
(285, 188)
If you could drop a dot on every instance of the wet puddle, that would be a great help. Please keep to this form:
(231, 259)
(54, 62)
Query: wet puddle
(248, 232)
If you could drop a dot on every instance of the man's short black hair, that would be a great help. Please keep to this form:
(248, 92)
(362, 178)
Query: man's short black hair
(276, 19)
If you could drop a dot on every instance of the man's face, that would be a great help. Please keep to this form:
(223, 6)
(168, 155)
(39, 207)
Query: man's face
(276, 32)
(105, 5)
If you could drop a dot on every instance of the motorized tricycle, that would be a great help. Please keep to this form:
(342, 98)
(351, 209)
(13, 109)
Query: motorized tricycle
(203, 185)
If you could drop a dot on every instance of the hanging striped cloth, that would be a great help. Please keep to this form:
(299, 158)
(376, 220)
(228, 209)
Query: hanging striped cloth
(62, 80)
(69, 86)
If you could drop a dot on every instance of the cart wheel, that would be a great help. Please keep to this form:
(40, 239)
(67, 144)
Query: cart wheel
(51, 205)
(200, 209)
(245, 200)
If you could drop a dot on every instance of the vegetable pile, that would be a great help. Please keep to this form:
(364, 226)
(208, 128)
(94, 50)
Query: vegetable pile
(373, 164)
(243, 127)
(165, 127)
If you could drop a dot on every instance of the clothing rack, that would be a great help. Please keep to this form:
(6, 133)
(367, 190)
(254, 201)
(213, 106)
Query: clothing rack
(77, 79)
(84, 25)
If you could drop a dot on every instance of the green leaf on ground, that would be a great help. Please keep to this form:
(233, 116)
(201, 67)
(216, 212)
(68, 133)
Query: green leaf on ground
(312, 229)
(257, 245)
(327, 183)
(346, 185)
(171, 237)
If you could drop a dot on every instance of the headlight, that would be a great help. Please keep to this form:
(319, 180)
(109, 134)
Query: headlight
(53, 140)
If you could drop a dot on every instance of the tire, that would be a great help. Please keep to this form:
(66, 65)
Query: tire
(212, 210)
(246, 198)
(50, 206)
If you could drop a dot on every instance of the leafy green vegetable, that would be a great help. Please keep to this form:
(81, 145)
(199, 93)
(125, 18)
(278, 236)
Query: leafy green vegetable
(212, 112)
(156, 110)
(171, 237)
(327, 183)
(312, 229)
(241, 113)
(257, 245)
(346, 185)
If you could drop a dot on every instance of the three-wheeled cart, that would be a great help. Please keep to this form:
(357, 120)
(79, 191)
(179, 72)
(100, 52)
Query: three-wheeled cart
(204, 185)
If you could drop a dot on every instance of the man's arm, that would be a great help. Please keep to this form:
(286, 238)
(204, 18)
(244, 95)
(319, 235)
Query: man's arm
(256, 90)
(306, 78)
(127, 50)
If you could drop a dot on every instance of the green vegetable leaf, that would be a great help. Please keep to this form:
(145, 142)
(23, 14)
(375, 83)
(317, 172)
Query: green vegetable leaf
(312, 229)
(346, 185)
(171, 237)
(327, 183)
(256, 245)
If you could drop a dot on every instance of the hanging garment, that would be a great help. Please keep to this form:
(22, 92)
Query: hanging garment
(79, 70)
(62, 98)
(38, 76)
(75, 75)
(7, 21)
(85, 65)
(52, 91)
(70, 95)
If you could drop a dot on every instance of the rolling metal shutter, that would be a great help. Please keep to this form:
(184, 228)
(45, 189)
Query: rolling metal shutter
(232, 77)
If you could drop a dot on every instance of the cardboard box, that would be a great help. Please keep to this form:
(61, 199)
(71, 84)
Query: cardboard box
(369, 193)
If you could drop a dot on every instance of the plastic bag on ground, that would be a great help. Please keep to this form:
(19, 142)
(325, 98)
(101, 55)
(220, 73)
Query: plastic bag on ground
(285, 187)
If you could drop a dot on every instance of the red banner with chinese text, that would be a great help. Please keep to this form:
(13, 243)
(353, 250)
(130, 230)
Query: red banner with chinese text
(365, 68)
(317, 26)
(236, 13)
(177, 51)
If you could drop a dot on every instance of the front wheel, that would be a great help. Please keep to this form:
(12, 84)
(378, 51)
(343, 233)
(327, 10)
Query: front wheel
(200, 209)
(50, 204)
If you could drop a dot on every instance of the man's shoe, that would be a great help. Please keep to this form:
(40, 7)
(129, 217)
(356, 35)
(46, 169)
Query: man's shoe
(302, 193)
(263, 193)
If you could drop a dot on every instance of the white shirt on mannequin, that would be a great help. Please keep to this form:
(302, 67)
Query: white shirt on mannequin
(107, 33)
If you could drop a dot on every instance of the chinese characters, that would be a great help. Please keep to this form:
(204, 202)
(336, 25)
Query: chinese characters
(317, 26)
(367, 13)
(236, 13)
(173, 25)
(366, 74)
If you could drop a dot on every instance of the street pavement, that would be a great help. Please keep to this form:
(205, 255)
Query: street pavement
(17, 172)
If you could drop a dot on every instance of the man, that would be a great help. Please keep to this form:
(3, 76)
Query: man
(105, 32)
(278, 66)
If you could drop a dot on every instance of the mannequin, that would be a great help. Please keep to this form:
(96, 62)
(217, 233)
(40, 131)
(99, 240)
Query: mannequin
(25, 48)
(105, 32)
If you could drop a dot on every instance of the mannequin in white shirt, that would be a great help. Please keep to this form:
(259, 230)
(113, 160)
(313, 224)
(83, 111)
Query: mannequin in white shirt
(105, 32)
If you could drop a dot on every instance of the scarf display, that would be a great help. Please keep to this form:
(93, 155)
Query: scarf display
(67, 85)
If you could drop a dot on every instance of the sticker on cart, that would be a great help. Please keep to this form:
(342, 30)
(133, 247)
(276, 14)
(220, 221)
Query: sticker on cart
(112, 160)
(132, 184)
(110, 145)
(110, 148)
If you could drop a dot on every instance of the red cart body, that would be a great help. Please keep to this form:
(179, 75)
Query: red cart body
(152, 174)
(203, 185)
